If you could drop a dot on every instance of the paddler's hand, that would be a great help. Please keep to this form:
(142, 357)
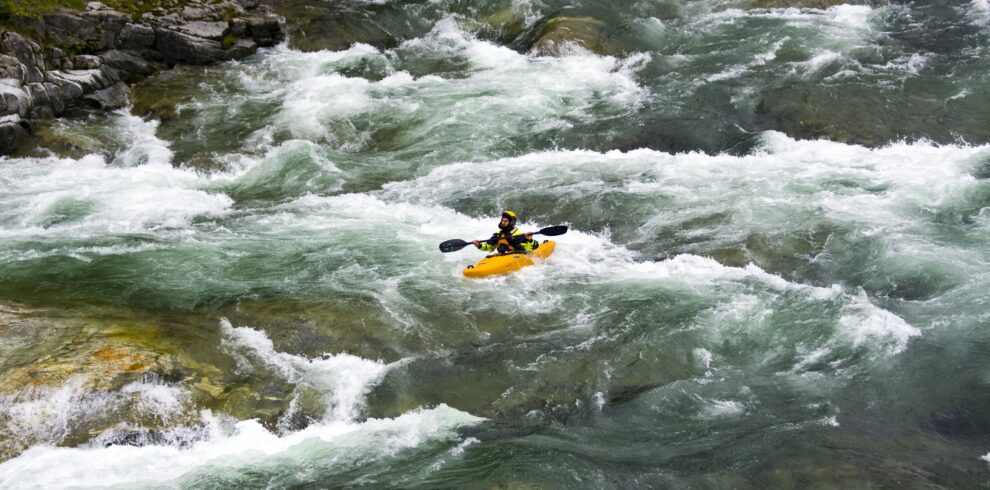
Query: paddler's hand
(476, 243)
(529, 236)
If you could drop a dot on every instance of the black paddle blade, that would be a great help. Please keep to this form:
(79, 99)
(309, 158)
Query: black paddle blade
(553, 230)
(453, 245)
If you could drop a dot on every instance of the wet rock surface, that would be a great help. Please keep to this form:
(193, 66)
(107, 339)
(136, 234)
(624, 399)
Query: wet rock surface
(561, 34)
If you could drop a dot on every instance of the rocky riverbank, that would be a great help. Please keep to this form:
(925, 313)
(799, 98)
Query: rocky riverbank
(70, 60)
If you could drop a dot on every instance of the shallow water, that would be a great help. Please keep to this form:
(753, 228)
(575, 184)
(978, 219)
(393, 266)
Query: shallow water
(775, 272)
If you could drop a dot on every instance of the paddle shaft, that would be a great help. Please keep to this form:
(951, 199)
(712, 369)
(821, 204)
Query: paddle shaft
(457, 244)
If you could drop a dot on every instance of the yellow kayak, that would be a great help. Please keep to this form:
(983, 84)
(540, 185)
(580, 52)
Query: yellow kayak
(504, 264)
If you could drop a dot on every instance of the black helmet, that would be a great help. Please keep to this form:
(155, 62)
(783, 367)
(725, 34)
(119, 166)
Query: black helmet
(511, 216)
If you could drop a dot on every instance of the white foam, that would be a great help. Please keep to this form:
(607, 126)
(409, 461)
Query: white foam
(292, 168)
(711, 409)
(221, 444)
(144, 147)
(961, 94)
(819, 61)
(84, 254)
(599, 400)
(881, 189)
(157, 399)
(829, 35)
(979, 11)
(343, 379)
(703, 360)
(46, 415)
(863, 321)
(138, 191)
(319, 105)
(43, 415)
(849, 23)
(233, 448)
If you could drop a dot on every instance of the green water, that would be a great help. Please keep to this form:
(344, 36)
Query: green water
(775, 272)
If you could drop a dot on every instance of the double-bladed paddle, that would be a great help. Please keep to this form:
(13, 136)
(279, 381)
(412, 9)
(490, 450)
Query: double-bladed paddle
(455, 244)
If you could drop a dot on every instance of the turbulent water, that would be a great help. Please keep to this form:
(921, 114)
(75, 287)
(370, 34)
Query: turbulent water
(776, 272)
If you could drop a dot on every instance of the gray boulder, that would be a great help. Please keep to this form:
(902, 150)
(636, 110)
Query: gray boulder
(177, 47)
(56, 59)
(204, 29)
(41, 112)
(194, 13)
(12, 68)
(87, 62)
(87, 80)
(136, 36)
(129, 62)
(38, 94)
(70, 90)
(112, 97)
(243, 47)
(14, 100)
(72, 31)
(15, 45)
(33, 74)
(109, 25)
(238, 27)
(55, 97)
(11, 135)
(266, 31)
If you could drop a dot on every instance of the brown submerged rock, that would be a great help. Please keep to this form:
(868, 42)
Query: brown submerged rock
(559, 34)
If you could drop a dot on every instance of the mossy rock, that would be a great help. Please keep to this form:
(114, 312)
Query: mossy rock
(559, 34)
(803, 111)
(159, 96)
(163, 109)
(65, 144)
(505, 24)
(730, 257)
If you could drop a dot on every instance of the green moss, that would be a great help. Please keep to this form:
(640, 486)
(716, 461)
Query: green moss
(228, 41)
(229, 13)
(35, 8)
(137, 8)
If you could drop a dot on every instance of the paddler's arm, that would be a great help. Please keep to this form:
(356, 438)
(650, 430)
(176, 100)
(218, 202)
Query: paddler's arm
(487, 245)
(523, 242)
(531, 244)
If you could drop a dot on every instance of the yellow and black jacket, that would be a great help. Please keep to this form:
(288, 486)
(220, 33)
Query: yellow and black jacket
(513, 241)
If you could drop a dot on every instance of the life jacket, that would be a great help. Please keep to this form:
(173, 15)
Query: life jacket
(504, 243)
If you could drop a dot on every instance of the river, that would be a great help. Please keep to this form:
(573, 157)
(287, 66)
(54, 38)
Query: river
(775, 276)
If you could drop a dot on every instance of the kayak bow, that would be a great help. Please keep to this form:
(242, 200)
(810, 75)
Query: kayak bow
(510, 262)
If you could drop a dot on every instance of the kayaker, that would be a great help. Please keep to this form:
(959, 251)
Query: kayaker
(508, 238)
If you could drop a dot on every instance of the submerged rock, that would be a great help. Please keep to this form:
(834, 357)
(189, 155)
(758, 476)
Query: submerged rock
(94, 376)
(560, 34)
(806, 112)
(83, 375)
(112, 97)
(504, 25)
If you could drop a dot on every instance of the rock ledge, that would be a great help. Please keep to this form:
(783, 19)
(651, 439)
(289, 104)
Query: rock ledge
(84, 59)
